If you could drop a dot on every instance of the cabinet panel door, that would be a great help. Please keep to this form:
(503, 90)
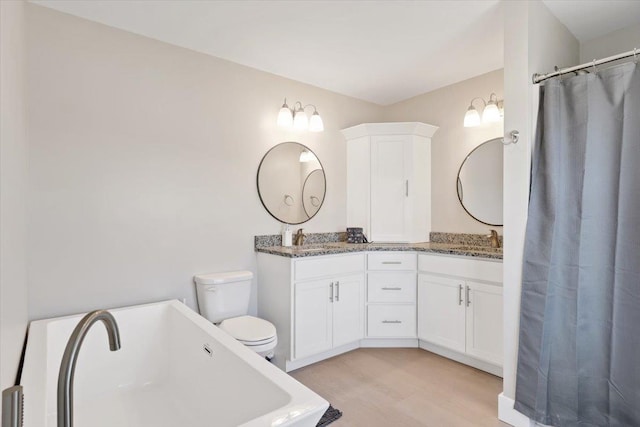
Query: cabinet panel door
(348, 308)
(389, 188)
(441, 311)
(312, 318)
(484, 321)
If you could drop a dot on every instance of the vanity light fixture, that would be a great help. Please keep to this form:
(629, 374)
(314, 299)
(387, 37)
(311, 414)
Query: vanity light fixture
(306, 156)
(297, 119)
(492, 112)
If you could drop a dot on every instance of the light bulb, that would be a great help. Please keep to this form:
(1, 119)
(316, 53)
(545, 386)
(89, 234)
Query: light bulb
(491, 113)
(285, 117)
(471, 118)
(315, 124)
(300, 120)
(306, 156)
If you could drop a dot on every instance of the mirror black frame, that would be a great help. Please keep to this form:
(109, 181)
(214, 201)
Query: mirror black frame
(305, 186)
(323, 173)
(459, 185)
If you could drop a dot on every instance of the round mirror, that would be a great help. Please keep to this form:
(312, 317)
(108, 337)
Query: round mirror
(479, 182)
(291, 183)
(313, 192)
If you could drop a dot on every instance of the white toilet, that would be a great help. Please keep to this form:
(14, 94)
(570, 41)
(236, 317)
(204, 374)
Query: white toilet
(223, 298)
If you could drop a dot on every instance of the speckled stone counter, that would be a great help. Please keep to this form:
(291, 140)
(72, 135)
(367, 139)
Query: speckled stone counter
(333, 248)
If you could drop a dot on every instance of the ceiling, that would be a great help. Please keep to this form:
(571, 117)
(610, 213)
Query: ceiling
(589, 19)
(378, 51)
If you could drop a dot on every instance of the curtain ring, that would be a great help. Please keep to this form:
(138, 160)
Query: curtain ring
(556, 69)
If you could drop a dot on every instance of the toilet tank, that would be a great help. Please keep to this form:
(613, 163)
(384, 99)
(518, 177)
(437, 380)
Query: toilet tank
(223, 295)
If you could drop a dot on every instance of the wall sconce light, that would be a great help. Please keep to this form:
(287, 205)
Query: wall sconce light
(492, 112)
(297, 119)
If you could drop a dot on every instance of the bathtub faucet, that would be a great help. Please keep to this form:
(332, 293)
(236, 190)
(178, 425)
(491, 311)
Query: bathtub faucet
(68, 365)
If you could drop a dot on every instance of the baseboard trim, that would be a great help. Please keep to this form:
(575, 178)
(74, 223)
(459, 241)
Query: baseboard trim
(292, 365)
(389, 343)
(462, 358)
(507, 414)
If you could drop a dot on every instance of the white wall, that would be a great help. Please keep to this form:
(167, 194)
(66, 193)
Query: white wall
(452, 142)
(13, 179)
(143, 164)
(613, 43)
(535, 41)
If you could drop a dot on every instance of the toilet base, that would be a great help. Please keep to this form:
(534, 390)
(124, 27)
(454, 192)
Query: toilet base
(266, 354)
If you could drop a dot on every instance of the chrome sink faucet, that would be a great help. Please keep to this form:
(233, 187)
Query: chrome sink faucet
(298, 240)
(70, 357)
(495, 240)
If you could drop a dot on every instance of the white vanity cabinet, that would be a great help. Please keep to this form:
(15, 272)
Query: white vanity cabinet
(326, 305)
(460, 309)
(316, 304)
(389, 180)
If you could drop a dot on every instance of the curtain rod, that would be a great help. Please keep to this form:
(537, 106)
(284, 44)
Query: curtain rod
(537, 78)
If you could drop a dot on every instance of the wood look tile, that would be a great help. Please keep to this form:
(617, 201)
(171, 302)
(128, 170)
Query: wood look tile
(404, 387)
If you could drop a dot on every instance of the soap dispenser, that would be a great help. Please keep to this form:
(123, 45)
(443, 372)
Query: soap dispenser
(286, 235)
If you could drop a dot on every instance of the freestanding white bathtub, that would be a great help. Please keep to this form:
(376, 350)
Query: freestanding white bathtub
(174, 369)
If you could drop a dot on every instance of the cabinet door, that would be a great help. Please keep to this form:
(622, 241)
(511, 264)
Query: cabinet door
(441, 311)
(390, 159)
(484, 321)
(312, 318)
(348, 310)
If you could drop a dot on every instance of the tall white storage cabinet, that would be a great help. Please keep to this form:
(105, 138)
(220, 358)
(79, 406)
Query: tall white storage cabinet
(389, 180)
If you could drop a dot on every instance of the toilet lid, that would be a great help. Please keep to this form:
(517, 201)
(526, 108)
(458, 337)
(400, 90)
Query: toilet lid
(248, 328)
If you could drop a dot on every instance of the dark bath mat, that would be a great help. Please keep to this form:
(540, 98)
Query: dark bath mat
(329, 416)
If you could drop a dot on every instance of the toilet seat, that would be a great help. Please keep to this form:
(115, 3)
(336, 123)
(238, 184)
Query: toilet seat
(258, 343)
(249, 330)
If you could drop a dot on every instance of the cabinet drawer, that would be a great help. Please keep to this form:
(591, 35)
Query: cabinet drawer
(396, 286)
(392, 321)
(328, 266)
(461, 267)
(391, 261)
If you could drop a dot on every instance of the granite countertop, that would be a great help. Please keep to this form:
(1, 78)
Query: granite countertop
(332, 248)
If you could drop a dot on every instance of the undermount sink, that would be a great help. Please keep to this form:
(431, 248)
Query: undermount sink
(478, 249)
(303, 249)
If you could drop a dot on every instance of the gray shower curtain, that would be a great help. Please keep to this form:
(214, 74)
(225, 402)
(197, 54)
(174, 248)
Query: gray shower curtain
(579, 350)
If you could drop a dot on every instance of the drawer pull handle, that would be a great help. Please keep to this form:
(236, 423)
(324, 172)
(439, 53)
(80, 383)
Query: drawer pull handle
(392, 262)
(338, 291)
(331, 295)
(468, 296)
(392, 321)
(459, 294)
(391, 289)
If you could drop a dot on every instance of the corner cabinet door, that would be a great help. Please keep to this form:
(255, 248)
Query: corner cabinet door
(484, 321)
(312, 318)
(348, 310)
(441, 311)
(390, 160)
